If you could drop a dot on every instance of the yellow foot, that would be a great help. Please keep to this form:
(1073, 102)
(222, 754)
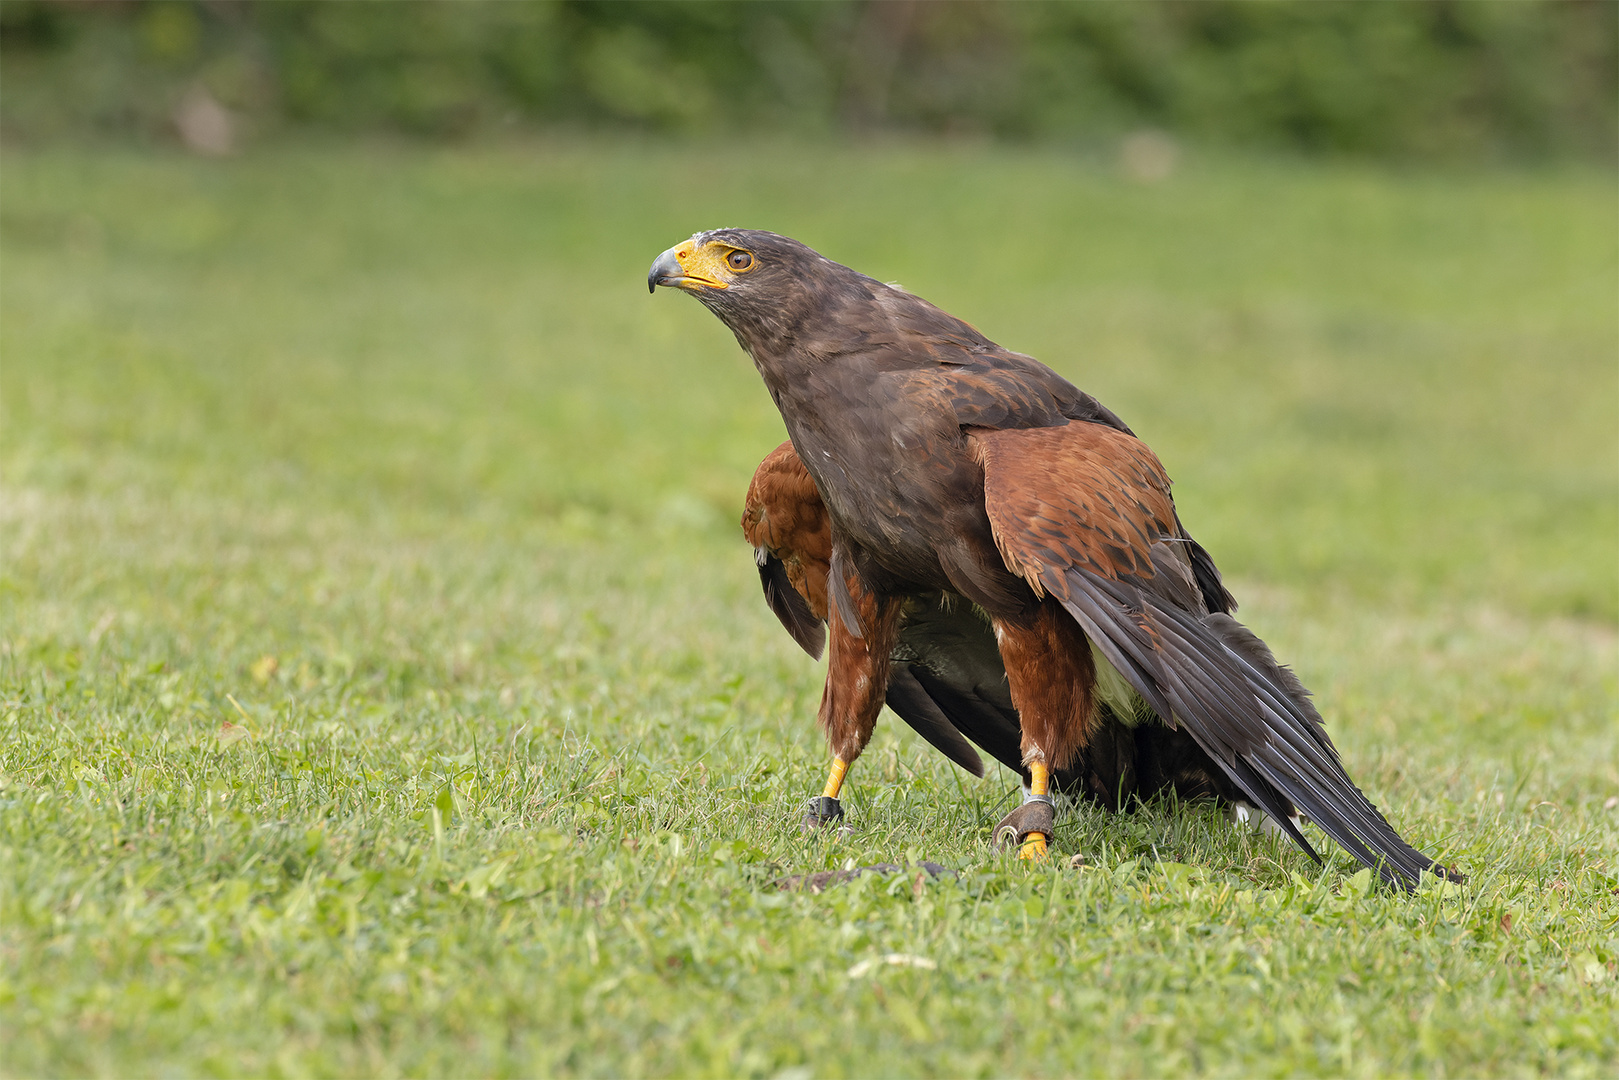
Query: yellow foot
(1034, 847)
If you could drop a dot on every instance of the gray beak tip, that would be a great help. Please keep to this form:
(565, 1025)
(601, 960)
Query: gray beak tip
(664, 267)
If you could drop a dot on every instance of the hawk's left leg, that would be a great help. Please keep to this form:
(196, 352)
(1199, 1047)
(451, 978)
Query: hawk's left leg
(856, 684)
(1052, 677)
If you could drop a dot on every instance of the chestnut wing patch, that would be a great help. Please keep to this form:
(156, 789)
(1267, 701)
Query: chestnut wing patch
(1078, 496)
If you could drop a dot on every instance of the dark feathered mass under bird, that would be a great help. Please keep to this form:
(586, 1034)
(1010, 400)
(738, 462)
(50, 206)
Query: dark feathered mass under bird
(997, 558)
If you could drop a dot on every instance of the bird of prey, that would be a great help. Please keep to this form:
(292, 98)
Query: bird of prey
(961, 485)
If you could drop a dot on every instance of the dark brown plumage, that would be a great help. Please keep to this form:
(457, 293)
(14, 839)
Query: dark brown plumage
(959, 492)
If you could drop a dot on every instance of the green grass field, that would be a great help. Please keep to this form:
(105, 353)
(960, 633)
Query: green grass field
(386, 689)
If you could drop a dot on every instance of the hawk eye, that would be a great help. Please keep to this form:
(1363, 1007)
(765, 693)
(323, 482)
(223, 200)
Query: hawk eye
(739, 260)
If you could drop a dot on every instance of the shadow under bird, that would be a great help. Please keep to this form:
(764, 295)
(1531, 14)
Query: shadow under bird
(993, 553)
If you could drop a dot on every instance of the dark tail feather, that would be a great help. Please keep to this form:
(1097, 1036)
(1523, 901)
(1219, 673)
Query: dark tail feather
(1286, 745)
(1248, 646)
(950, 650)
(791, 608)
(1360, 813)
(1249, 714)
(997, 732)
(917, 708)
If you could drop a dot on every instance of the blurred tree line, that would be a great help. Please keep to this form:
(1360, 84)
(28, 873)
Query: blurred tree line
(1444, 79)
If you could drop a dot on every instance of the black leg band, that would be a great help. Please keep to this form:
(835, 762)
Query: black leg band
(821, 811)
(1039, 816)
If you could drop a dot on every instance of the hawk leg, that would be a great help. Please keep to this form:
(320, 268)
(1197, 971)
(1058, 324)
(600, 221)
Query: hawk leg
(1052, 676)
(856, 685)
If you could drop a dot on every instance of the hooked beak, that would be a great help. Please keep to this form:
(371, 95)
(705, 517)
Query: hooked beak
(666, 270)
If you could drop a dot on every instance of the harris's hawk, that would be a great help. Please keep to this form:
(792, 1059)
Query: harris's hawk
(938, 488)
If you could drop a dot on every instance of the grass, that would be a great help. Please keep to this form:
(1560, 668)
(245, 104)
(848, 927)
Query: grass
(384, 686)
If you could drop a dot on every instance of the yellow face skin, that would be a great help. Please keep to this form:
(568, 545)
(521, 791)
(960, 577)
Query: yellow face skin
(712, 266)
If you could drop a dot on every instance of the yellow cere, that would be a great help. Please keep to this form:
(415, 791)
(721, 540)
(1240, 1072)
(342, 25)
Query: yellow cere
(705, 265)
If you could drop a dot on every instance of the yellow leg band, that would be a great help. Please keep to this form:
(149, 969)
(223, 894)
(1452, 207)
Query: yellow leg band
(1039, 778)
(834, 782)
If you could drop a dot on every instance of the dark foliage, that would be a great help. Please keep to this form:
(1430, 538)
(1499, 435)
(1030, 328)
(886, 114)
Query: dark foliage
(1433, 79)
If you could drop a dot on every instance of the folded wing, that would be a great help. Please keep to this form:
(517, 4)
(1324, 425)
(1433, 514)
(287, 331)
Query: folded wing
(1083, 513)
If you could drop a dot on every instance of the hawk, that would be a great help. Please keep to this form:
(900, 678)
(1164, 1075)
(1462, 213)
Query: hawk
(983, 540)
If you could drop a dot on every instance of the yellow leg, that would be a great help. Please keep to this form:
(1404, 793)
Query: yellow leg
(834, 782)
(1034, 845)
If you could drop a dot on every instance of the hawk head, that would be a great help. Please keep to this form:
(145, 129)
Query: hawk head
(761, 284)
(715, 262)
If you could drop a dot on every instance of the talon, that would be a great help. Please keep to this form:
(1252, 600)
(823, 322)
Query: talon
(825, 809)
(820, 812)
